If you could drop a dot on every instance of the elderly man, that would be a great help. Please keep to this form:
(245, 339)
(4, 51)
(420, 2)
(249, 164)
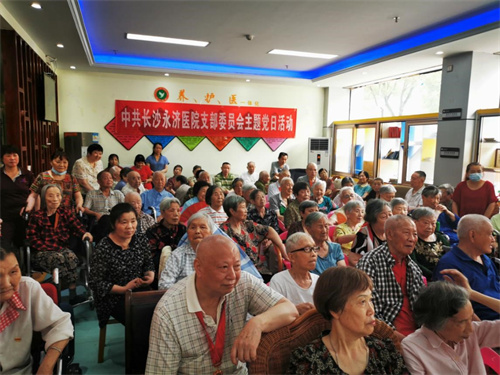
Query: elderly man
(311, 176)
(249, 177)
(143, 221)
(167, 232)
(446, 195)
(123, 178)
(263, 182)
(200, 325)
(397, 279)
(297, 284)
(448, 221)
(181, 187)
(469, 256)
(85, 169)
(224, 179)
(414, 195)
(201, 176)
(115, 173)
(387, 193)
(151, 199)
(275, 187)
(134, 183)
(100, 202)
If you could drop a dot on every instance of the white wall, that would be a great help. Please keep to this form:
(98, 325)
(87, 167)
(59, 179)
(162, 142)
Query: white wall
(87, 102)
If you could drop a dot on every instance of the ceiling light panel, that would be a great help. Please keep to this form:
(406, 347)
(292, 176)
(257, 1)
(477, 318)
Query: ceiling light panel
(161, 39)
(302, 54)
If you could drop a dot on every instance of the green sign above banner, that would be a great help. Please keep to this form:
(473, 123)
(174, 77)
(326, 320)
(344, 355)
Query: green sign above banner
(247, 143)
(191, 142)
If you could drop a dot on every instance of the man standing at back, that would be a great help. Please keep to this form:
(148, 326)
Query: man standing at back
(199, 326)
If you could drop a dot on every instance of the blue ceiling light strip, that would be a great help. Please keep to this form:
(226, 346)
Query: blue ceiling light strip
(482, 20)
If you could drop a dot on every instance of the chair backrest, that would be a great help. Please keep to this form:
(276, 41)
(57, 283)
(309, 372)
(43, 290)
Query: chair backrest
(139, 308)
(491, 359)
(275, 347)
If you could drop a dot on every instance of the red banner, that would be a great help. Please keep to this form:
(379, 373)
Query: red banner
(179, 119)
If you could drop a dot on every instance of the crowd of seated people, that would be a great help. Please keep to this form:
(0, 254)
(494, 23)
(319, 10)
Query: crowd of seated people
(398, 244)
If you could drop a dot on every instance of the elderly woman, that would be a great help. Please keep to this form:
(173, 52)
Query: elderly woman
(260, 214)
(399, 206)
(346, 195)
(447, 221)
(144, 221)
(430, 246)
(180, 263)
(170, 182)
(372, 233)
(24, 308)
(305, 208)
(279, 202)
(449, 341)
(325, 204)
(329, 253)
(121, 261)
(330, 186)
(156, 161)
(363, 188)
(346, 233)
(72, 196)
(15, 182)
(475, 195)
(168, 232)
(302, 193)
(343, 296)
(346, 182)
(49, 231)
(214, 198)
(236, 187)
(249, 235)
(144, 171)
(297, 284)
(387, 192)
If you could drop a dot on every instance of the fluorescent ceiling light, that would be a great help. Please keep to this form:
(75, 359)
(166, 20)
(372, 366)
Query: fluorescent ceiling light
(60, 45)
(161, 39)
(72, 67)
(36, 5)
(302, 54)
(166, 74)
(439, 52)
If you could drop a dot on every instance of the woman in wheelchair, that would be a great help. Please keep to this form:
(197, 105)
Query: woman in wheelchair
(49, 231)
(24, 308)
(343, 296)
(121, 261)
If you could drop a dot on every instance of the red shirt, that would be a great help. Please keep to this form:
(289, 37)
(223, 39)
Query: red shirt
(473, 201)
(145, 173)
(404, 322)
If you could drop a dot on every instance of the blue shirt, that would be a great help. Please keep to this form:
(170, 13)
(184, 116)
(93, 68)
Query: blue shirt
(335, 255)
(157, 165)
(120, 184)
(153, 198)
(190, 202)
(483, 278)
(361, 190)
(448, 227)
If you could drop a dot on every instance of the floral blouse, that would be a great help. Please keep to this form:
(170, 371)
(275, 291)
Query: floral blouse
(427, 254)
(270, 218)
(250, 238)
(69, 186)
(315, 358)
(111, 265)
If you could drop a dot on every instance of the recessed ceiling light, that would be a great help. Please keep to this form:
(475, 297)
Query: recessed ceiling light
(36, 5)
(439, 52)
(166, 74)
(248, 80)
(72, 67)
(60, 45)
(161, 39)
(302, 54)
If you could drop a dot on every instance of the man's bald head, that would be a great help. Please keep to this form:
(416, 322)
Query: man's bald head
(134, 179)
(396, 221)
(213, 245)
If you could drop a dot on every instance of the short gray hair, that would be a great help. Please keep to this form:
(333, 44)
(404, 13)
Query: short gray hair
(294, 239)
(232, 202)
(314, 217)
(387, 189)
(449, 189)
(397, 220)
(345, 188)
(320, 182)
(470, 222)
(430, 191)
(44, 192)
(397, 201)
(303, 206)
(437, 303)
(248, 187)
(373, 208)
(285, 179)
(421, 212)
(352, 205)
(200, 215)
(167, 202)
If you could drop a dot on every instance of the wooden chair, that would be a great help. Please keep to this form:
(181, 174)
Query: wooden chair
(139, 308)
(276, 347)
(102, 340)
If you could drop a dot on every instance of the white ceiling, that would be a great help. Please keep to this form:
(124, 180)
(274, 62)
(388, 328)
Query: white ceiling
(345, 28)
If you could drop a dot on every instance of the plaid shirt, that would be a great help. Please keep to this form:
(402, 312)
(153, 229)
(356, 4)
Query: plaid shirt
(43, 236)
(98, 202)
(387, 294)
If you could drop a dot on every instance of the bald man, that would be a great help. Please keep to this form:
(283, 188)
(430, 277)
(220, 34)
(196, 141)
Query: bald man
(311, 176)
(143, 221)
(214, 301)
(134, 183)
(397, 279)
(153, 197)
(470, 256)
(250, 176)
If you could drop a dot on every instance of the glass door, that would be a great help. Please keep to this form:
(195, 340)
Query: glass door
(390, 153)
(364, 149)
(342, 161)
(421, 150)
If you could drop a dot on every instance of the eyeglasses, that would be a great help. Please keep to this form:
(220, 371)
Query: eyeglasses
(307, 249)
(348, 195)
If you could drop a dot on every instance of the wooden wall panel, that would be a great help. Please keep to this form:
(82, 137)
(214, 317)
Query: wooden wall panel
(22, 73)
